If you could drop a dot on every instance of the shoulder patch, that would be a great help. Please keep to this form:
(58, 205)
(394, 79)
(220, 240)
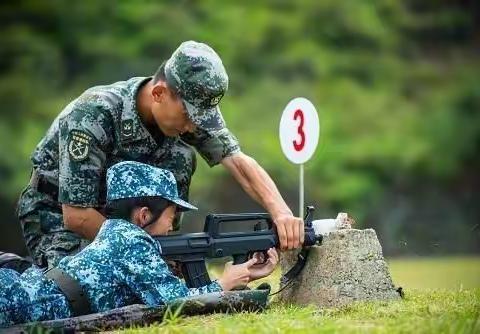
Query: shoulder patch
(127, 128)
(79, 145)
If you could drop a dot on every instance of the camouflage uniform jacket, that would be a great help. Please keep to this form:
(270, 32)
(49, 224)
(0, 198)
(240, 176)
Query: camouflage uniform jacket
(101, 128)
(122, 266)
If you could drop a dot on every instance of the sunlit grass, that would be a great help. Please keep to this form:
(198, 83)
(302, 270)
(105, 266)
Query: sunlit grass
(436, 273)
(419, 312)
(442, 296)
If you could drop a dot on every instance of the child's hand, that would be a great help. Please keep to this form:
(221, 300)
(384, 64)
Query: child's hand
(235, 275)
(260, 270)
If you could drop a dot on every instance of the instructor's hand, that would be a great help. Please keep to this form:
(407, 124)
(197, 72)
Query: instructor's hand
(290, 231)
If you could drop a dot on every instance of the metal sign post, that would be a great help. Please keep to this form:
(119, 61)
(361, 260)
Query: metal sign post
(301, 194)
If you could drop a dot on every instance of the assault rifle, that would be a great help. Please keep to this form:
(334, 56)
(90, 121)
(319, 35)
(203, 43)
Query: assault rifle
(192, 249)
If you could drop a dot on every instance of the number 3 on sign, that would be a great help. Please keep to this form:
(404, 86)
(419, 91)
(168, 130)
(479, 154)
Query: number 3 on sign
(301, 145)
(299, 130)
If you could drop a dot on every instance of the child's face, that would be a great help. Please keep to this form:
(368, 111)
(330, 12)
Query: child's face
(164, 223)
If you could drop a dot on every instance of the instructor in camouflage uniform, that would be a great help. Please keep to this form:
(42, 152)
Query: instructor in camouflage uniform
(155, 120)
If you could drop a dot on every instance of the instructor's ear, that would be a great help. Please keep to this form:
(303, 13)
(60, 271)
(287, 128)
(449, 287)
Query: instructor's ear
(159, 91)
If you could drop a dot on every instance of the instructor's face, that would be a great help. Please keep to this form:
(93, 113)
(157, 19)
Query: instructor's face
(169, 112)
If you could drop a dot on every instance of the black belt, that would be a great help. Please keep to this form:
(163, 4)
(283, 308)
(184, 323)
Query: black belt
(42, 185)
(72, 290)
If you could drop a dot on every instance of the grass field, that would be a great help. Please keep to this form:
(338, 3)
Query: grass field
(442, 273)
(442, 296)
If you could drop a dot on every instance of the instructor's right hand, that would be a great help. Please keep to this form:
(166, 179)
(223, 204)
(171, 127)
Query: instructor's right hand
(236, 275)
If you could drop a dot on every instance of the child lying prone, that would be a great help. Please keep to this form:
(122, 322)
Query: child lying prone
(123, 265)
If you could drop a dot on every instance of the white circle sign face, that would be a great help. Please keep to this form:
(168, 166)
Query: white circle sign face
(299, 130)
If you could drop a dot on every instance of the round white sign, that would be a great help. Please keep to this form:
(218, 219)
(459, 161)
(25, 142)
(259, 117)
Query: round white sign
(299, 130)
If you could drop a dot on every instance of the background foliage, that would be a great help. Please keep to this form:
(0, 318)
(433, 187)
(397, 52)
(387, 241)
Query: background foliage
(395, 82)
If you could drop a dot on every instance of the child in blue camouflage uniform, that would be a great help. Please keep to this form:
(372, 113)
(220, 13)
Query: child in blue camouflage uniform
(123, 265)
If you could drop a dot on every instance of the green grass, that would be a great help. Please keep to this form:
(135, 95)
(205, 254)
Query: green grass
(442, 296)
(436, 273)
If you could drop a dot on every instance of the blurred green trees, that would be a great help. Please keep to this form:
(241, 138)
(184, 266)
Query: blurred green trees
(395, 82)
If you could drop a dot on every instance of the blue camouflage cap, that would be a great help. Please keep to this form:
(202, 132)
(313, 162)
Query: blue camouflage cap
(130, 179)
(196, 73)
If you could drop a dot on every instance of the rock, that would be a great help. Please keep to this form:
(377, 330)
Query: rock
(347, 267)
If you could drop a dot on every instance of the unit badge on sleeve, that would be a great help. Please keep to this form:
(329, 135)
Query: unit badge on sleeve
(79, 145)
(127, 128)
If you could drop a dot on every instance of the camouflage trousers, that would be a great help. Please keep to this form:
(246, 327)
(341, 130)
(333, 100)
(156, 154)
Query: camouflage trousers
(29, 297)
(40, 215)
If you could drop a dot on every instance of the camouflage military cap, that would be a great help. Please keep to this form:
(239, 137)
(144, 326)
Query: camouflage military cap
(130, 179)
(196, 73)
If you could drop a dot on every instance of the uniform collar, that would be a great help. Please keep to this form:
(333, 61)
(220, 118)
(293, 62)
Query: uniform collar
(129, 226)
(131, 126)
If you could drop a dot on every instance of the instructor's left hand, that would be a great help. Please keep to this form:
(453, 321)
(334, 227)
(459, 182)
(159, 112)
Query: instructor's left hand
(290, 231)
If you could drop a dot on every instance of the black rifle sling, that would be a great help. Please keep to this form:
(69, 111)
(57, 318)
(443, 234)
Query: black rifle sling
(297, 268)
(287, 279)
(303, 255)
(72, 290)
